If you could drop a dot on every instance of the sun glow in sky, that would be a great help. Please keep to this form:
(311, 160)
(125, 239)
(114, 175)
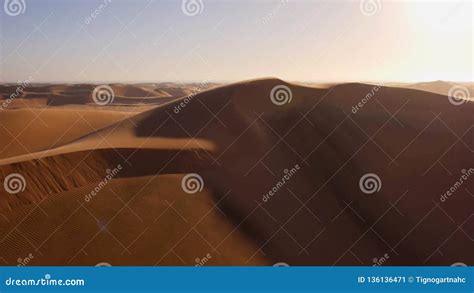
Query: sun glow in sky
(149, 41)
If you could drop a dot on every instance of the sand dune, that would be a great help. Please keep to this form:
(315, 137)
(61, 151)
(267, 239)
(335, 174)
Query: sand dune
(311, 149)
(29, 95)
(439, 87)
(28, 131)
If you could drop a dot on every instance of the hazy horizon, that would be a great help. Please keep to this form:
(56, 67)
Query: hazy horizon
(304, 41)
(184, 82)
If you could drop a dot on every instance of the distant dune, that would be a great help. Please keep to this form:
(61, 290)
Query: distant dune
(281, 167)
(440, 87)
(41, 95)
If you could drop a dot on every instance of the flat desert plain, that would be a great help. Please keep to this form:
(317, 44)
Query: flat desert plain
(259, 172)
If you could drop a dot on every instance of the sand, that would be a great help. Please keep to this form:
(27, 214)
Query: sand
(242, 145)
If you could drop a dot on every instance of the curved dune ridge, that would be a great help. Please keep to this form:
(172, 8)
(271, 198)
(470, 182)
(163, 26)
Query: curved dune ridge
(253, 173)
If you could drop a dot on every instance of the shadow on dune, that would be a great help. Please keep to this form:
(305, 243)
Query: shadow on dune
(328, 139)
(399, 134)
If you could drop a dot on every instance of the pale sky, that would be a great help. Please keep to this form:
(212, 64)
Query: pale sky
(151, 41)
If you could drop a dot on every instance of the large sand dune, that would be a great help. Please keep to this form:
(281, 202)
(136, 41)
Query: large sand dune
(280, 178)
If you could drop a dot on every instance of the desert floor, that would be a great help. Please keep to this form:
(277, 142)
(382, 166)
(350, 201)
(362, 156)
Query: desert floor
(260, 172)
